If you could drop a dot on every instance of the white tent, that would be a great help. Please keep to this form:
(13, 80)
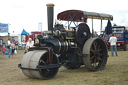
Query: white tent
(3, 34)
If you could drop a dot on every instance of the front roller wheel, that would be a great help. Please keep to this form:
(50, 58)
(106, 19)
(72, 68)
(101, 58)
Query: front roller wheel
(51, 72)
(33, 59)
(95, 54)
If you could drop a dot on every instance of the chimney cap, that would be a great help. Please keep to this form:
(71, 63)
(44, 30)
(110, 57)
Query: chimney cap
(49, 5)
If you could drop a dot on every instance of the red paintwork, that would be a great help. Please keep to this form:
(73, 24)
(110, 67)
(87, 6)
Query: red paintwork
(121, 44)
(33, 36)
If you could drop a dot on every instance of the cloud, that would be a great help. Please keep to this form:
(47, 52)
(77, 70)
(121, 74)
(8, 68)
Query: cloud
(120, 17)
(28, 13)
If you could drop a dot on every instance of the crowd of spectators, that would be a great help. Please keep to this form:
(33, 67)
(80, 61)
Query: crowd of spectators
(11, 46)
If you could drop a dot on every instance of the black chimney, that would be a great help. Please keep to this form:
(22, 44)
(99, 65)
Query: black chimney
(50, 16)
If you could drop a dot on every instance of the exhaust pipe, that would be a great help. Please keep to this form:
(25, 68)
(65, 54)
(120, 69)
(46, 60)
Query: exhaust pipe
(50, 16)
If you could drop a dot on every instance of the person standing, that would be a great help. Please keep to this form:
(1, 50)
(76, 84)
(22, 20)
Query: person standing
(23, 44)
(0, 45)
(13, 39)
(16, 45)
(3, 47)
(8, 42)
(113, 41)
(9, 48)
(13, 48)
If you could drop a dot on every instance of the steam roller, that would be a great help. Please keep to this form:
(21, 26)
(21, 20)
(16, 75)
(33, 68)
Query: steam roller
(70, 47)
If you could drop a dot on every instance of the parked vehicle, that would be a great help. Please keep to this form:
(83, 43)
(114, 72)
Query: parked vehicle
(121, 32)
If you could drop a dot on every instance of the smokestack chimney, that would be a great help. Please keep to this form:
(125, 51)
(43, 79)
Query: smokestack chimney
(50, 16)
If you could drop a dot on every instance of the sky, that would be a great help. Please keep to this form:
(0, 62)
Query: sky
(26, 14)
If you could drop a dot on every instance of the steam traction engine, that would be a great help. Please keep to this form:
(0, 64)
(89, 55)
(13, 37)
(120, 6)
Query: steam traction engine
(70, 47)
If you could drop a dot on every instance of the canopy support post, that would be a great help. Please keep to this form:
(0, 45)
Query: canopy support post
(101, 27)
(92, 27)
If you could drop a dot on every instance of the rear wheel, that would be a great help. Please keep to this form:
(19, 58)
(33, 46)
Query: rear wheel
(96, 53)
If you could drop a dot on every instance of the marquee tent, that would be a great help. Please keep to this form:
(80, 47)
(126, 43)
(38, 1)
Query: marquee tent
(24, 32)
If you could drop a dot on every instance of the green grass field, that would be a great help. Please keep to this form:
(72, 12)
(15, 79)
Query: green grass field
(115, 73)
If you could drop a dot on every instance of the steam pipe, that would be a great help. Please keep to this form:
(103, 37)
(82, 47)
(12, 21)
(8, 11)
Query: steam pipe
(50, 16)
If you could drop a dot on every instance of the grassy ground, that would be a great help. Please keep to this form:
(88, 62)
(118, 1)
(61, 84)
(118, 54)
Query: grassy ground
(115, 73)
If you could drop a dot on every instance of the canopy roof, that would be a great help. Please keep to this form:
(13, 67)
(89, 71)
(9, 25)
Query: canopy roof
(24, 32)
(78, 15)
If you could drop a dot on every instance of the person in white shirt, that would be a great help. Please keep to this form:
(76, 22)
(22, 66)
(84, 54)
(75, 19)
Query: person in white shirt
(29, 44)
(13, 48)
(113, 41)
(8, 43)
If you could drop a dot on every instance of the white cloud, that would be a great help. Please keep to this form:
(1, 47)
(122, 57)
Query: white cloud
(27, 13)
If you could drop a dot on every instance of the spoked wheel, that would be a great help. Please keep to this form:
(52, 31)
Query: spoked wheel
(96, 53)
(33, 59)
(51, 72)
